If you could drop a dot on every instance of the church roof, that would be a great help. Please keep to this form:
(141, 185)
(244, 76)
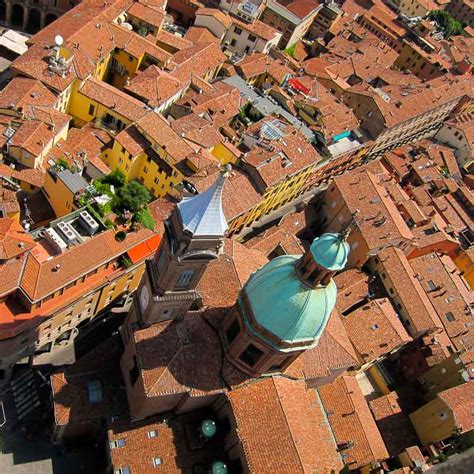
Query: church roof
(202, 215)
(330, 251)
(298, 313)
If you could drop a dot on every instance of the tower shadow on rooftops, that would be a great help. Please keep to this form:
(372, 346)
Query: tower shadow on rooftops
(183, 355)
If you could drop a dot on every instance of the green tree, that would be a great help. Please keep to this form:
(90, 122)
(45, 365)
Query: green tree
(133, 197)
(145, 219)
(116, 178)
(449, 25)
(63, 163)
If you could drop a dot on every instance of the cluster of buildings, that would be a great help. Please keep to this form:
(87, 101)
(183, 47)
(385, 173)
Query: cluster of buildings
(302, 257)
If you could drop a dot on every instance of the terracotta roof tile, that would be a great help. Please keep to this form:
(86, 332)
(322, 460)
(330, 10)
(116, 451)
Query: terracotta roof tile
(449, 295)
(167, 353)
(110, 97)
(393, 422)
(70, 387)
(132, 140)
(282, 235)
(299, 439)
(198, 34)
(460, 400)
(222, 17)
(220, 103)
(291, 153)
(39, 279)
(352, 422)
(14, 240)
(155, 86)
(158, 129)
(197, 130)
(375, 329)
(197, 60)
(149, 14)
(409, 289)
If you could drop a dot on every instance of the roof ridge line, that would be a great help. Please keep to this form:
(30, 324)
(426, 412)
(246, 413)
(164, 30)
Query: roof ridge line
(287, 423)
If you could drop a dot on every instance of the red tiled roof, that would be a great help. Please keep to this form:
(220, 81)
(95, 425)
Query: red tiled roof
(132, 140)
(222, 17)
(197, 60)
(298, 439)
(393, 423)
(158, 129)
(352, 422)
(148, 14)
(155, 86)
(14, 240)
(291, 153)
(333, 352)
(302, 8)
(375, 329)
(460, 401)
(22, 92)
(112, 98)
(167, 353)
(198, 34)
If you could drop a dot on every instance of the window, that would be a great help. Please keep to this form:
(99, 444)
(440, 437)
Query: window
(117, 443)
(161, 261)
(251, 355)
(252, 38)
(94, 390)
(122, 470)
(233, 42)
(91, 109)
(157, 462)
(238, 31)
(450, 316)
(145, 169)
(443, 415)
(232, 332)
(374, 327)
(134, 372)
(184, 279)
(152, 434)
(431, 285)
(278, 367)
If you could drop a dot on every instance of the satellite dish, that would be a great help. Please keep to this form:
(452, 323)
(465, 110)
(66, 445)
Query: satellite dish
(59, 40)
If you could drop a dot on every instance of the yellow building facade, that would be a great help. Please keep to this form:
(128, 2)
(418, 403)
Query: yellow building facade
(464, 260)
(297, 184)
(433, 422)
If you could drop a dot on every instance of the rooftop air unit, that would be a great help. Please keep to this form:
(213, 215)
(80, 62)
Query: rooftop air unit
(66, 231)
(88, 223)
(55, 240)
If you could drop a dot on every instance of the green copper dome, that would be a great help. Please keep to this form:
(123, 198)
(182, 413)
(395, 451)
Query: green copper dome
(282, 304)
(208, 428)
(330, 251)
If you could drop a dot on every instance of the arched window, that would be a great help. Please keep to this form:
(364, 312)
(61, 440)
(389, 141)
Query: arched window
(185, 279)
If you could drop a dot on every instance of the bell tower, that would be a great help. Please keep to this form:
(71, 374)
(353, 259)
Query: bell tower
(194, 235)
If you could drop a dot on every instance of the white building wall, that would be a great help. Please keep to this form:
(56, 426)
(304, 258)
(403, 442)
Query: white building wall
(215, 27)
(456, 138)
